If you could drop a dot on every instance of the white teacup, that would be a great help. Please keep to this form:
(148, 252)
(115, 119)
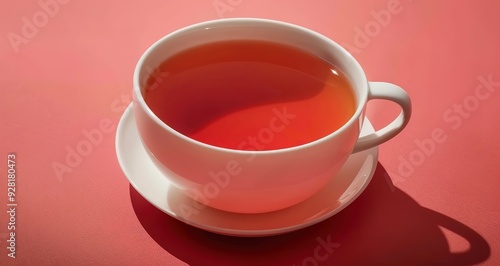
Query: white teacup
(238, 180)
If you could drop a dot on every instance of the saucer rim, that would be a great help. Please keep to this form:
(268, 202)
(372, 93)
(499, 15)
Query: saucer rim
(128, 114)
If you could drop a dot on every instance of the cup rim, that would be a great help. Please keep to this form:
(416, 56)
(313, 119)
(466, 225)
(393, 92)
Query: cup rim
(139, 98)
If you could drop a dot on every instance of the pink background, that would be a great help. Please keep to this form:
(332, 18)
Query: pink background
(439, 208)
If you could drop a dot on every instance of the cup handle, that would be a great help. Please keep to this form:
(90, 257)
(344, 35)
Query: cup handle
(391, 92)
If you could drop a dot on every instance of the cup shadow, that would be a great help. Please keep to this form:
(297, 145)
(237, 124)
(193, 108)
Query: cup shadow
(384, 226)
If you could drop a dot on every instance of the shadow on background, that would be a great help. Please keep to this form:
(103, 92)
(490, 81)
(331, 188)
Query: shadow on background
(384, 226)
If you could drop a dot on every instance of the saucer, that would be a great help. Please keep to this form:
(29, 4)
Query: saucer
(140, 171)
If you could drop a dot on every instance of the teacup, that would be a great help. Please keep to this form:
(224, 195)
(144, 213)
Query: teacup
(257, 181)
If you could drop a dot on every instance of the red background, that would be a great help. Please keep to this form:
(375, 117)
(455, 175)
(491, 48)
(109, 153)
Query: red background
(435, 205)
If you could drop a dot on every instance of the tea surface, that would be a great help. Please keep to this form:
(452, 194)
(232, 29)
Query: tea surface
(250, 95)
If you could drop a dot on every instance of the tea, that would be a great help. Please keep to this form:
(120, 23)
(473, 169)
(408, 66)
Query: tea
(250, 95)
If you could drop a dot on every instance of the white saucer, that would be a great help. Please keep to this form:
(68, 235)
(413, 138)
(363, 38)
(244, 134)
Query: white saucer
(344, 188)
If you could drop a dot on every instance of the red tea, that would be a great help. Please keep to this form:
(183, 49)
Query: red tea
(250, 95)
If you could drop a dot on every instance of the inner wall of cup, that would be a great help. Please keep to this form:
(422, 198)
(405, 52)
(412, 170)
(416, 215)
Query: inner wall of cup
(262, 30)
